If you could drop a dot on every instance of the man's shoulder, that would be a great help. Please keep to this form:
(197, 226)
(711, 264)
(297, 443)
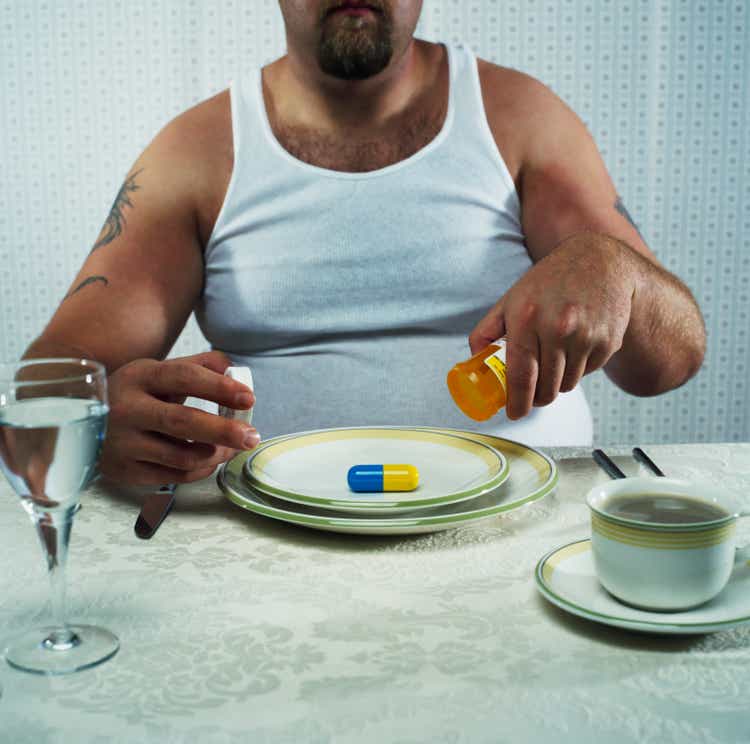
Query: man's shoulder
(204, 130)
(515, 96)
(521, 111)
(198, 144)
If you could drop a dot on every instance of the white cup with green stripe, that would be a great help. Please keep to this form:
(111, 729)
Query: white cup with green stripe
(664, 544)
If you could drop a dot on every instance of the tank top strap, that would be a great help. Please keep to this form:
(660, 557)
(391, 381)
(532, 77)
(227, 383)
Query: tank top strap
(470, 125)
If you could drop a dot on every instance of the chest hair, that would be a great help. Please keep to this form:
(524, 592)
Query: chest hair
(357, 154)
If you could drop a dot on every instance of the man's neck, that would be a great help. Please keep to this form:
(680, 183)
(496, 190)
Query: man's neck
(302, 95)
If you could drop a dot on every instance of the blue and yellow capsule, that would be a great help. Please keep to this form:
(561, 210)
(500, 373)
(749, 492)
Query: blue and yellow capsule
(366, 478)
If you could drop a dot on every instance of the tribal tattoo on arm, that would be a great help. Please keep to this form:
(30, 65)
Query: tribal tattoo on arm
(116, 219)
(113, 227)
(85, 282)
(620, 207)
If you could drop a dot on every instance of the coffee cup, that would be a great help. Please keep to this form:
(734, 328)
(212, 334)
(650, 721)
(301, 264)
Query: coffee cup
(664, 544)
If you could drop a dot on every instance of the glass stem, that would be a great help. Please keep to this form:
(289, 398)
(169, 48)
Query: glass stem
(53, 527)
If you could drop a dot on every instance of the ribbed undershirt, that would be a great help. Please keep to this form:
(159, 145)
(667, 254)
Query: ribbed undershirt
(350, 295)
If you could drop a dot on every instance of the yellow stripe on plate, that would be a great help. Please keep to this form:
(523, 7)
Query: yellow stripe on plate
(562, 555)
(276, 449)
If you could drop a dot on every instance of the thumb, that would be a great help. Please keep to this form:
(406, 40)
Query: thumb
(490, 328)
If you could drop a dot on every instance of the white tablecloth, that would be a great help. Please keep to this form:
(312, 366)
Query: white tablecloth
(237, 628)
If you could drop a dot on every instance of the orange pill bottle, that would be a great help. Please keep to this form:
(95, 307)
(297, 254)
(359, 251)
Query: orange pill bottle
(479, 385)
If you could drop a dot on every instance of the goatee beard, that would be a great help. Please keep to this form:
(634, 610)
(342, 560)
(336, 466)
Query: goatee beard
(351, 50)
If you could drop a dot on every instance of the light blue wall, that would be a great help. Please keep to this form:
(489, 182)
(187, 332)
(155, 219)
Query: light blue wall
(662, 84)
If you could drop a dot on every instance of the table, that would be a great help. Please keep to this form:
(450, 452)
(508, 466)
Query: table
(237, 628)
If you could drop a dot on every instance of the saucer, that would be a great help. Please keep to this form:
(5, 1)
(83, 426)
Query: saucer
(566, 577)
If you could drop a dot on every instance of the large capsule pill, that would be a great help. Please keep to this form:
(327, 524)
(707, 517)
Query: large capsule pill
(365, 478)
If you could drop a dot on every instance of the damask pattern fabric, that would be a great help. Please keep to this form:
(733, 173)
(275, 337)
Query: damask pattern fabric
(236, 628)
(661, 84)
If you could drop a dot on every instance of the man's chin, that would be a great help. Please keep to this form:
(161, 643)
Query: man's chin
(354, 62)
(351, 50)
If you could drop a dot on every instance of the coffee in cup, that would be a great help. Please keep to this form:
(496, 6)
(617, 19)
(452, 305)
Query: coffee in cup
(661, 543)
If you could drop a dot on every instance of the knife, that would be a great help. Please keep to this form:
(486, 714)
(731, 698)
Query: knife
(155, 508)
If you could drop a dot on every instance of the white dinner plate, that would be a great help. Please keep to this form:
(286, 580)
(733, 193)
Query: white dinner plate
(566, 577)
(311, 468)
(532, 476)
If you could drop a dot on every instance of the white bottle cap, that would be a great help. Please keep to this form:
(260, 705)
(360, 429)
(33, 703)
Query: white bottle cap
(245, 376)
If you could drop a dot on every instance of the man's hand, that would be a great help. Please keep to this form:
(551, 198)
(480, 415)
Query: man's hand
(596, 287)
(149, 428)
(563, 319)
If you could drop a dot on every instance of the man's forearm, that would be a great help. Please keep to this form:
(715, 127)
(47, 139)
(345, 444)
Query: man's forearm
(44, 348)
(665, 341)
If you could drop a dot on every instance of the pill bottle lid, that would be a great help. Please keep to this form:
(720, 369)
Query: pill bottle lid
(245, 376)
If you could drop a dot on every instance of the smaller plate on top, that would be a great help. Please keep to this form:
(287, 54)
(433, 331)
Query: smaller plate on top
(566, 577)
(311, 468)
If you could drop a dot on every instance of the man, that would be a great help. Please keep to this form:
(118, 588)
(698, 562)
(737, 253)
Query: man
(340, 221)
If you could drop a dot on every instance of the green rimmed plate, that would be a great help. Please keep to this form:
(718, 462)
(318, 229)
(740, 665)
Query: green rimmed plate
(566, 577)
(532, 476)
(310, 468)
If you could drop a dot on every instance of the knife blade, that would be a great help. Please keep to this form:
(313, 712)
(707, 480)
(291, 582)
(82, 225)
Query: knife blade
(155, 508)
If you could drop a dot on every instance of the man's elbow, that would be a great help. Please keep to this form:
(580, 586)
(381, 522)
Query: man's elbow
(656, 376)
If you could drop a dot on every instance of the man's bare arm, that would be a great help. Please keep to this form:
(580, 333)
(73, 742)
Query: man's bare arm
(597, 296)
(127, 305)
(115, 223)
(567, 191)
(144, 274)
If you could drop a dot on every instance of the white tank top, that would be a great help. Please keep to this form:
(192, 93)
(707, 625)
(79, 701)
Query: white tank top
(351, 295)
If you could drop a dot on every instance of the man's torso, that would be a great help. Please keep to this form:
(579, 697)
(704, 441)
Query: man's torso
(396, 141)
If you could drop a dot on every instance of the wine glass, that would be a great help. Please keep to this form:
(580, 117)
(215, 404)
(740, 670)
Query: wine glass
(53, 417)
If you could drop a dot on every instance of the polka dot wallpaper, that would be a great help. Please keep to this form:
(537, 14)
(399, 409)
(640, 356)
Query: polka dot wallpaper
(663, 85)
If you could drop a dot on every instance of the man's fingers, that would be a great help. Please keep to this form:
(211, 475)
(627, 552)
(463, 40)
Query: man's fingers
(551, 370)
(599, 356)
(182, 378)
(575, 368)
(184, 422)
(523, 372)
(217, 361)
(148, 474)
(178, 455)
(153, 459)
(583, 357)
(490, 328)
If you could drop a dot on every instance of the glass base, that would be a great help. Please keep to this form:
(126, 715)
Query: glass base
(51, 651)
